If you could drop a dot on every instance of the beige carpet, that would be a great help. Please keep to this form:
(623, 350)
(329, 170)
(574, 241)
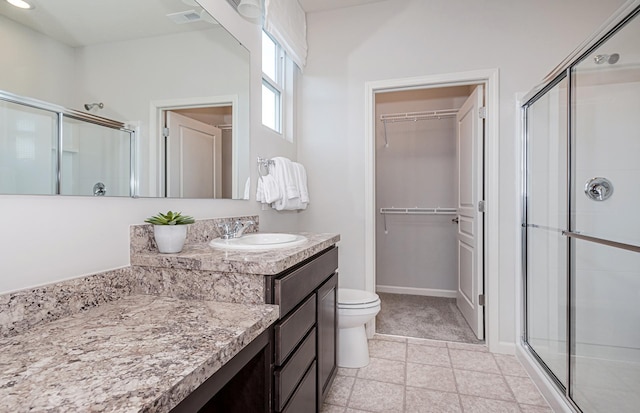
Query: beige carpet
(417, 316)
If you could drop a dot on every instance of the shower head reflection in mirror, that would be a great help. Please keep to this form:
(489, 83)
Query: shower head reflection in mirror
(89, 106)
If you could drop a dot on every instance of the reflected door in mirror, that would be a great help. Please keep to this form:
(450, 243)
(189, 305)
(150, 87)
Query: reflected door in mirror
(194, 158)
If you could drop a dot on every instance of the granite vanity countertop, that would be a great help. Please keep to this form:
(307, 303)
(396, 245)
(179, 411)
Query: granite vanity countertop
(266, 262)
(139, 353)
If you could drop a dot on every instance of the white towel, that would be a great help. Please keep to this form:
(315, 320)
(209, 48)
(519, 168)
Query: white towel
(247, 186)
(267, 190)
(285, 187)
(301, 176)
(300, 198)
(285, 176)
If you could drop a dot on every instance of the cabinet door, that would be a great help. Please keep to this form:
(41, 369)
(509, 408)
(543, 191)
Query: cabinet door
(327, 325)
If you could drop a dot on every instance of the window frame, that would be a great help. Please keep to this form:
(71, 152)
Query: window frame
(276, 86)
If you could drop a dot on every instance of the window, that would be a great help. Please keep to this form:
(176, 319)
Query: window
(273, 80)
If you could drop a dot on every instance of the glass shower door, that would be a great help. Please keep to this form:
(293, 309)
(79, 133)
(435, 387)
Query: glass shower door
(605, 226)
(546, 264)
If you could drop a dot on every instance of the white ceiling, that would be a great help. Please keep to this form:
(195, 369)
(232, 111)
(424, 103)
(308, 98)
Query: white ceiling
(82, 22)
(320, 5)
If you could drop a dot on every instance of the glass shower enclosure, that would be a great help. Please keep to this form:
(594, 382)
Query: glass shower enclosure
(581, 237)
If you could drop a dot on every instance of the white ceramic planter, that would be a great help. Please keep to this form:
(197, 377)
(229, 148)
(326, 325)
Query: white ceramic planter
(170, 238)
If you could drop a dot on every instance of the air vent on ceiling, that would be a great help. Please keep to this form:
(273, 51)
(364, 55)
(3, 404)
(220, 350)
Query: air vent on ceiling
(188, 16)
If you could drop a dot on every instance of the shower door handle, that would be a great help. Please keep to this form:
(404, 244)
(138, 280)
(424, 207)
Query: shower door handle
(602, 241)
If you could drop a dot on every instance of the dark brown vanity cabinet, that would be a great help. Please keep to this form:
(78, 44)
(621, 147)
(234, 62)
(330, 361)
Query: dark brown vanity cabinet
(304, 342)
(327, 297)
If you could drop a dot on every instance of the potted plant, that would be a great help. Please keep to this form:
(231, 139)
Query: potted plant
(170, 230)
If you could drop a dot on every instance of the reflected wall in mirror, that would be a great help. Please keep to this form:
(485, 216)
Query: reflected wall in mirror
(131, 57)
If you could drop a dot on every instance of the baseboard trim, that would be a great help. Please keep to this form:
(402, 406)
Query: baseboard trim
(503, 347)
(430, 292)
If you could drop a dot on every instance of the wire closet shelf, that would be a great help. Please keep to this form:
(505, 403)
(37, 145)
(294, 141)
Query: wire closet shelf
(415, 211)
(414, 117)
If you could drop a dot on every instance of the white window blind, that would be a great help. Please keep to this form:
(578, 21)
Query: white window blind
(286, 22)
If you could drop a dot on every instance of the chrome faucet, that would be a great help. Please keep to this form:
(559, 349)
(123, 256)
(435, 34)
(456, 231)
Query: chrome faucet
(239, 227)
(234, 230)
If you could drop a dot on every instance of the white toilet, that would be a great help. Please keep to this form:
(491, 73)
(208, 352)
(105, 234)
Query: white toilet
(355, 309)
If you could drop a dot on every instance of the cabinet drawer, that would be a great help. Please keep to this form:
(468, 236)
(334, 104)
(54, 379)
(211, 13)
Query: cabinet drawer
(287, 378)
(293, 328)
(293, 288)
(304, 399)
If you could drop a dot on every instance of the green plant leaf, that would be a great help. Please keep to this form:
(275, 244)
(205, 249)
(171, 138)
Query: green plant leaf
(170, 218)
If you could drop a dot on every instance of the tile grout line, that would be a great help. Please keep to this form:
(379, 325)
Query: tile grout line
(455, 382)
(406, 375)
(515, 399)
(351, 391)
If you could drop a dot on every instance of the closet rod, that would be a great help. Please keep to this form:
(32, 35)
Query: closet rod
(413, 117)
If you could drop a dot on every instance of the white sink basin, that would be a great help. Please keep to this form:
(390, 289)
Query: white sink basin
(259, 241)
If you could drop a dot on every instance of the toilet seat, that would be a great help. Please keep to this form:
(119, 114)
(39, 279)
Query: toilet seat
(350, 298)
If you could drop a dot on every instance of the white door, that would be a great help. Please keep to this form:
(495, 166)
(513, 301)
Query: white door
(194, 158)
(470, 162)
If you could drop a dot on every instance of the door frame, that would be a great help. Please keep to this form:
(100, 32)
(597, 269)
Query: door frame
(490, 79)
(156, 119)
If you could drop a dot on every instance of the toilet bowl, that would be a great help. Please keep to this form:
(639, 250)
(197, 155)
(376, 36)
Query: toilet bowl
(355, 309)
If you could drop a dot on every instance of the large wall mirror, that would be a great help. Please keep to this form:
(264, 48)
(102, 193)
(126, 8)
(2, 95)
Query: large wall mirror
(144, 98)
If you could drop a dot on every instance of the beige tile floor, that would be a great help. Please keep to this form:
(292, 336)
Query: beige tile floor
(419, 376)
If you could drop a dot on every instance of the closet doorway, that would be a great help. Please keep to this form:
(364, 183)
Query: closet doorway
(428, 181)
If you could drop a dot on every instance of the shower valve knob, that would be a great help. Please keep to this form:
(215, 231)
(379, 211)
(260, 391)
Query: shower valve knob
(598, 189)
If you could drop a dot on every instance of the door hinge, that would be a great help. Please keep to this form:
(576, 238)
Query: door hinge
(165, 132)
(482, 112)
(482, 206)
(481, 299)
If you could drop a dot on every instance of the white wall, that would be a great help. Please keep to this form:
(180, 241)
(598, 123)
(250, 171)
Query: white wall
(40, 68)
(52, 238)
(397, 39)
